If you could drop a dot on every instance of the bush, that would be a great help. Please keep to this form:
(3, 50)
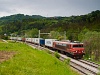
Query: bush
(67, 61)
(57, 55)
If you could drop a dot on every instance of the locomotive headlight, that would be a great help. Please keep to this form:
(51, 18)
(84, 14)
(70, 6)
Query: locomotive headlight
(76, 51)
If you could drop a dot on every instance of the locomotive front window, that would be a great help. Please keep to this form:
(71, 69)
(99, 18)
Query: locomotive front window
(77, 45)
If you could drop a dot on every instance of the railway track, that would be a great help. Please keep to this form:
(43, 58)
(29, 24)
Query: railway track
(90, 63)
(83, 66)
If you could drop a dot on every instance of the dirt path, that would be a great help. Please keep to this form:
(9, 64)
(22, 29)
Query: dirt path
(5, 55)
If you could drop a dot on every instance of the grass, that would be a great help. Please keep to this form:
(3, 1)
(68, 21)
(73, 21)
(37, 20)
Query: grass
(29, 61)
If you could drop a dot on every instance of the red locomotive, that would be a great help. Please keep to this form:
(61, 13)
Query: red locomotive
(74, 49)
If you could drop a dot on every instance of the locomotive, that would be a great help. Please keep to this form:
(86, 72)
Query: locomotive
(73, 49)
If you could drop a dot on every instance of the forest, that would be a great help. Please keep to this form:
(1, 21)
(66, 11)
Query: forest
(84, 28)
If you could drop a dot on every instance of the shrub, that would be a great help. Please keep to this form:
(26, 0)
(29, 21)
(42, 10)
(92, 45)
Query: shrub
(57, 55)
(67, 61)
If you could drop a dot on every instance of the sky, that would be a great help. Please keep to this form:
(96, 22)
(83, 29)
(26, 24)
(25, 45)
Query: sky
(48, 8)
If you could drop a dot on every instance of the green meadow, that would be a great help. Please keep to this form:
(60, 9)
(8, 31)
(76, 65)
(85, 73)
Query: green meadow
(29, 61)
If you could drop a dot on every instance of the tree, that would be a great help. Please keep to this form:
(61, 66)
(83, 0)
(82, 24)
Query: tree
(32, 33)
(82, 33)
(58, 35)
(92, 45)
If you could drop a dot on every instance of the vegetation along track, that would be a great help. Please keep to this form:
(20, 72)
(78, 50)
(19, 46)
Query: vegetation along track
(85, 67)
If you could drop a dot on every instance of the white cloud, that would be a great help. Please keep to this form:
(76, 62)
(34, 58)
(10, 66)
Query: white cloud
(48, 7)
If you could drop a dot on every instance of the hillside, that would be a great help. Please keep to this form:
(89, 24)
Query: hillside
(20, 24)
(17, 17)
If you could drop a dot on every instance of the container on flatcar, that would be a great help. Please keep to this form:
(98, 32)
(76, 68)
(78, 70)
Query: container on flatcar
(28, 40)
(19, 38)
(49, 42)
(14, 38)
(37, 40)
(42, 42)
(33, 40)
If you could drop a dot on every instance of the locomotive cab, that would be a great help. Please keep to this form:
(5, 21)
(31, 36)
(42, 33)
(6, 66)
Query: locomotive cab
(77, 50)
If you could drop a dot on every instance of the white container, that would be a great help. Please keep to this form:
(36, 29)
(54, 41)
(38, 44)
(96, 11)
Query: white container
(33, 40)
(49, 42)
(28, 39)
(37, 40)
(19, 38)
(14, 38)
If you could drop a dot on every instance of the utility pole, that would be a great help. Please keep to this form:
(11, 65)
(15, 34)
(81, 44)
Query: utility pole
(40, 35)
(11, 36)
(65, 34)
(25, 37)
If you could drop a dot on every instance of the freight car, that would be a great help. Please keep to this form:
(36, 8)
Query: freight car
(36, 41)
(49, 43)
(73, 49)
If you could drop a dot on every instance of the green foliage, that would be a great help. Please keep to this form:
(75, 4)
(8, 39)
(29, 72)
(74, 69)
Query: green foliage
(92, 45)
(57, 55)
(82, 33)
(57, 35)
(32, 33)
(67, 61)
(4, 37)
(54, 34)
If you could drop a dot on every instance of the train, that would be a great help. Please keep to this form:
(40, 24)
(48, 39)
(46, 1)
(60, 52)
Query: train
(73, 49)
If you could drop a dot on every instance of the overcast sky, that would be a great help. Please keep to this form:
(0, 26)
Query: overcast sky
(48, 8)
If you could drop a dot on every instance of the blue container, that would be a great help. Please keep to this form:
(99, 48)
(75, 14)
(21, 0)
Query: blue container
(42, 42)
